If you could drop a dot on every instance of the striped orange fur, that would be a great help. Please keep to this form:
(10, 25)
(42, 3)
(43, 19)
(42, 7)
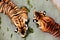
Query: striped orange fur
(46, 23)
(18, 15)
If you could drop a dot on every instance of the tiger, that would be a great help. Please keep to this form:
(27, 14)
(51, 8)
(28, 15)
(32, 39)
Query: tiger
(18, 16)
(46, 23)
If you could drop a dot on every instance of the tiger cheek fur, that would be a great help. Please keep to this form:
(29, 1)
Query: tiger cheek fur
(17, 15)
(47, 24)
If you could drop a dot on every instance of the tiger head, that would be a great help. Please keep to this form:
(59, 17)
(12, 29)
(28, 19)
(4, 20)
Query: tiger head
(38, 19)
(38, 15)
(21, 21)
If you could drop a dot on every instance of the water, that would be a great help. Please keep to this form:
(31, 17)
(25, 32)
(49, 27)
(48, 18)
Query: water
(39, 5)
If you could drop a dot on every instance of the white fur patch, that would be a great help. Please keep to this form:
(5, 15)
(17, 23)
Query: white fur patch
(15, 30)
(26, 20)
(22, 35)
(26, 25)
(35, 21)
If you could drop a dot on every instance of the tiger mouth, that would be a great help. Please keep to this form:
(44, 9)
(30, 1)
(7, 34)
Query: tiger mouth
(23, 33)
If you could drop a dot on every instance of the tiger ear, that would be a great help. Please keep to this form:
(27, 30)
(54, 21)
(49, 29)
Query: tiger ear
(37, 13)
(43, 12)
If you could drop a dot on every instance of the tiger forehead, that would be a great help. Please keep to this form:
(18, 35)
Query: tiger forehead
(39, 13)
(39, 16)
(18, 21)
(24, 8)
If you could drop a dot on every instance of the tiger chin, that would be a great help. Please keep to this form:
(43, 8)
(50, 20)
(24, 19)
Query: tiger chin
(46, 23)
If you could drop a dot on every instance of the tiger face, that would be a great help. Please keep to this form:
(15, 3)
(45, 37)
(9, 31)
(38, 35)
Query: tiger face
(20, 22)
(38, 15)
(24, 20)
(40, 18)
